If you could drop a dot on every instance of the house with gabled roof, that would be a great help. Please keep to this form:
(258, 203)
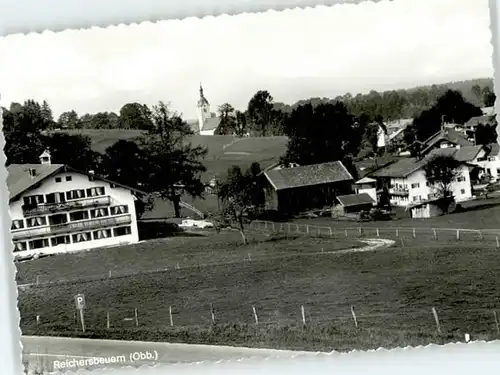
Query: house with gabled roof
(293, 190)
(407, 183)
(445, 138)
(55, 208)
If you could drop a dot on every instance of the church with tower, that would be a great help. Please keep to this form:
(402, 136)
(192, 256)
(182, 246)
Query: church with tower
(207, 121)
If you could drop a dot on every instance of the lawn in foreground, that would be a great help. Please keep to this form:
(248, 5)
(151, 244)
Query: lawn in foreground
(392, 292)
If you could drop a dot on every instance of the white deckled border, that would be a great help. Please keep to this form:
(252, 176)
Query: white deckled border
(26, 16)
(58, 15)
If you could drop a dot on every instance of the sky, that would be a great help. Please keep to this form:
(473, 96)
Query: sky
(294, 54)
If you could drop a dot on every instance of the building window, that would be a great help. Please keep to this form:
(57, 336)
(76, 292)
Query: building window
(75, 194)
(69, 178)
(60, 240)
(462, 191)
(78, 215)
(17, 224)
(39, 244)
(54, 198)
(82, 237)
(95, 191)
(58, 219)
(100, 234)
(415, 185)
(34, 199)
(20, 246)
(58, 179)
(99, 212)
(122, 231)
(36, 221)
(461, 179)
(118, 210)
(415, 199)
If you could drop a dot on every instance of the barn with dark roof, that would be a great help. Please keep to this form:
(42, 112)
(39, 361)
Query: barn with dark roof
(293, 190)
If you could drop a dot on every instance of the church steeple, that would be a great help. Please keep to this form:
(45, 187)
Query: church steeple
(203, 101)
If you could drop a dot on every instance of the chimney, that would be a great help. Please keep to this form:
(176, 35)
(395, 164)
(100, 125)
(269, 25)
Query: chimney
(32, 172)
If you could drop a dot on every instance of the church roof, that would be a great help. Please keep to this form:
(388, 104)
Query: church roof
(211, 123)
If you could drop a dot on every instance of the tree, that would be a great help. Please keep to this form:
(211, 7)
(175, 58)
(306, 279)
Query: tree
(485, 134)
(327, 132)
(23, 126)
(260, 112)
(440, 172)
(477, 92)
(46, 112)
(227, 123)
(73, 150)
(100, 120)
(125, 162)
(69, 120)
(135, 116)
(174, 166)
(240, 123)
(489, 97)
(451, 107)
(242, 198)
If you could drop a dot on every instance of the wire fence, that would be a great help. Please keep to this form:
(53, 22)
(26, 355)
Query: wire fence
(413, 318)
(403, 237)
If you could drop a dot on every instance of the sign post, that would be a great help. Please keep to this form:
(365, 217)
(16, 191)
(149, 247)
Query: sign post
(80, 305)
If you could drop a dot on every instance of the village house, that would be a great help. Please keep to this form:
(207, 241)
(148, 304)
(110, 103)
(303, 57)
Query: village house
(490, 161)
(446, 137)
(367, 186)
(293, 190)
(55, 208)
(428, 208)
(407, 183)
(353, 203)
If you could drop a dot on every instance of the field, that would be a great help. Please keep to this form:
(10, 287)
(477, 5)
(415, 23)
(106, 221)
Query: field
(392, 290)
(223, 151)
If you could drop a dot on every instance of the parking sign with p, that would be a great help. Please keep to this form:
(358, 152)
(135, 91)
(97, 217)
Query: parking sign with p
(80, 301)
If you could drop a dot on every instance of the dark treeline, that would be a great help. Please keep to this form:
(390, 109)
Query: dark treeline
(164, 163)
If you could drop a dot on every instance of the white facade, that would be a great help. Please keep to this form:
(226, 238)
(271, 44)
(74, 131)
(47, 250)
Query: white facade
(71, 211)
(415, 188)
(490, 164)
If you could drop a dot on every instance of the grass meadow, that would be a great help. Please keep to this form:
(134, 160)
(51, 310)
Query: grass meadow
(391, 290)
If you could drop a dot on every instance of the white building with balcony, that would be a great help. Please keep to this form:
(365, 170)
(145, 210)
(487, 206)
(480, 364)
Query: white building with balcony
(55, 208)
(408, 184)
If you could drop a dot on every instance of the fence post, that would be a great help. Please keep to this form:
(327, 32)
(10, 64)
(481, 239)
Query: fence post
(414, 234)
(255, 315)
(107, 320)
(435, 233)
(360, 230)
(303, 315)
(481, 235)
(307, 228)
(498, 244)
(496, 321)
(109, 274)
(289, 228)
(170, 314)
(436, 318)
(37, 280)
(331, 232)
(378, 233)
(354, 316)
(397, 232)
(136, 318)
(212, 313)
(458, 234)
(345, 232)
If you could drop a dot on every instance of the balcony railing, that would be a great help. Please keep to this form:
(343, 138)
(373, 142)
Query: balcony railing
(41, 209)
(399, 191)
(73, 226)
